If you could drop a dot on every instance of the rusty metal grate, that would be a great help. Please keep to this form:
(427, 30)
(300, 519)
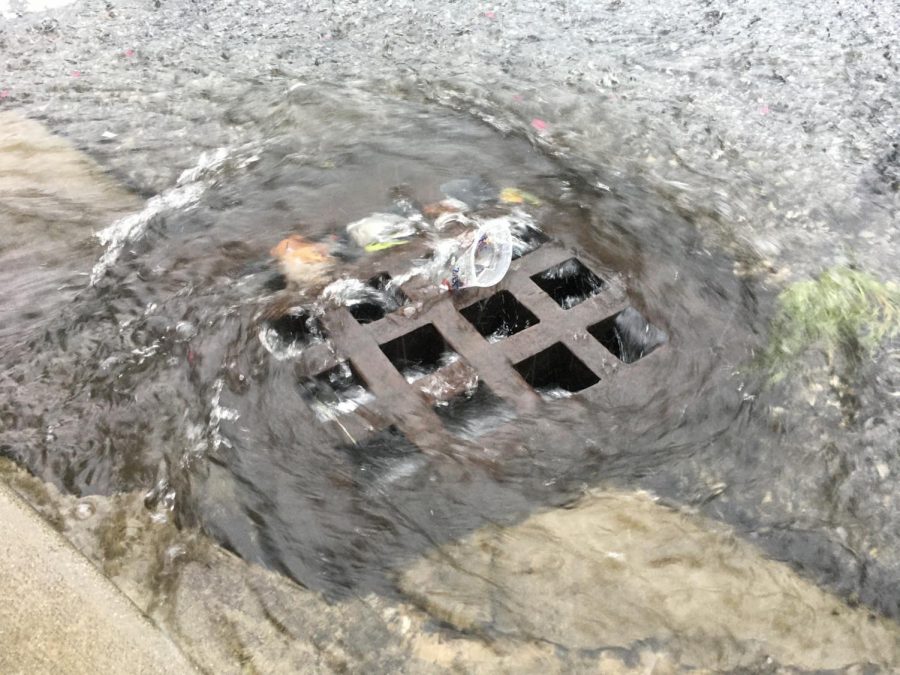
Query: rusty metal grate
(552, 324)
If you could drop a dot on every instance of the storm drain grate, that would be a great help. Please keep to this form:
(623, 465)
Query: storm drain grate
(435, 367)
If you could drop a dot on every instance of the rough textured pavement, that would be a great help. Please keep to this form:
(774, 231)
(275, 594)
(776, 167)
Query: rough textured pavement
(60, 614)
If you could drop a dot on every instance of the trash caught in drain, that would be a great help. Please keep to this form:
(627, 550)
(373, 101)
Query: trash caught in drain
(450, 320)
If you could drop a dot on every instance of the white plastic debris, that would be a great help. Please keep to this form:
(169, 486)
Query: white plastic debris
(487, 259)
(380, 228)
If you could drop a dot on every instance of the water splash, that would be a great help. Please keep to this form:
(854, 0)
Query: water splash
(187, 192)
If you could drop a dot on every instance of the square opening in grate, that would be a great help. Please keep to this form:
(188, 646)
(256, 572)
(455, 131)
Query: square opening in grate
(569, 283)
(294, 329)
(337, 391)
(556, 372)
(499, 316)
(628, 335)
(419, 352)
(473, 414)
(378, 298)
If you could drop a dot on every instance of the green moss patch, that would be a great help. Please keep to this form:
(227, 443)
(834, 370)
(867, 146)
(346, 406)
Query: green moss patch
(844, 312)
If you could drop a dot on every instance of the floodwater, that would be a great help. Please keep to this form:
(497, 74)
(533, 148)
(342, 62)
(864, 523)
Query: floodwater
(162, 352)
(708, 156)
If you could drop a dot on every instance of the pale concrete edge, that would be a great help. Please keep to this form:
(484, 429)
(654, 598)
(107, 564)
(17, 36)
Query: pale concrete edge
(10, 494)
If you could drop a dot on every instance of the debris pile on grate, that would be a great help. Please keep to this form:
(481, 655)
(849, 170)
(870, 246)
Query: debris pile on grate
(402, 354)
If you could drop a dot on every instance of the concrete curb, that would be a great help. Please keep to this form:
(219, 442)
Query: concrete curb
(61, 615)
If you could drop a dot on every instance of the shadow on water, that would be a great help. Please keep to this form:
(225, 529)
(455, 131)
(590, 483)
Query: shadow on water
(156, 377)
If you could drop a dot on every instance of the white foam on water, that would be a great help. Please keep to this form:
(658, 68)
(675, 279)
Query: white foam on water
(553, 393)
(347, 402)
(405, 468)
(217, 414)
(9, 8)
(187, 192)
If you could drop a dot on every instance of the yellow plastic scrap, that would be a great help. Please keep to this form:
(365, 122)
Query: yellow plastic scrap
(513, 195)
(382, 245)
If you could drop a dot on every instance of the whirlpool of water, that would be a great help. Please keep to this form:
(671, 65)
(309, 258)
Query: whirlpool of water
(152, 346)
(169, 382)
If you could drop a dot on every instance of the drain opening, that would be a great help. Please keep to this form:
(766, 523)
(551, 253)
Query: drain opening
(628, 335)
(377, 298)
(337, 391)
(419, 352)
(293, 329)
(569, 283)
(556, 372)
(499, 316)
(475, 413)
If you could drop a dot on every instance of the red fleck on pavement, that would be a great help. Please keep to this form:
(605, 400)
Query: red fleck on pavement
(539, 124)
